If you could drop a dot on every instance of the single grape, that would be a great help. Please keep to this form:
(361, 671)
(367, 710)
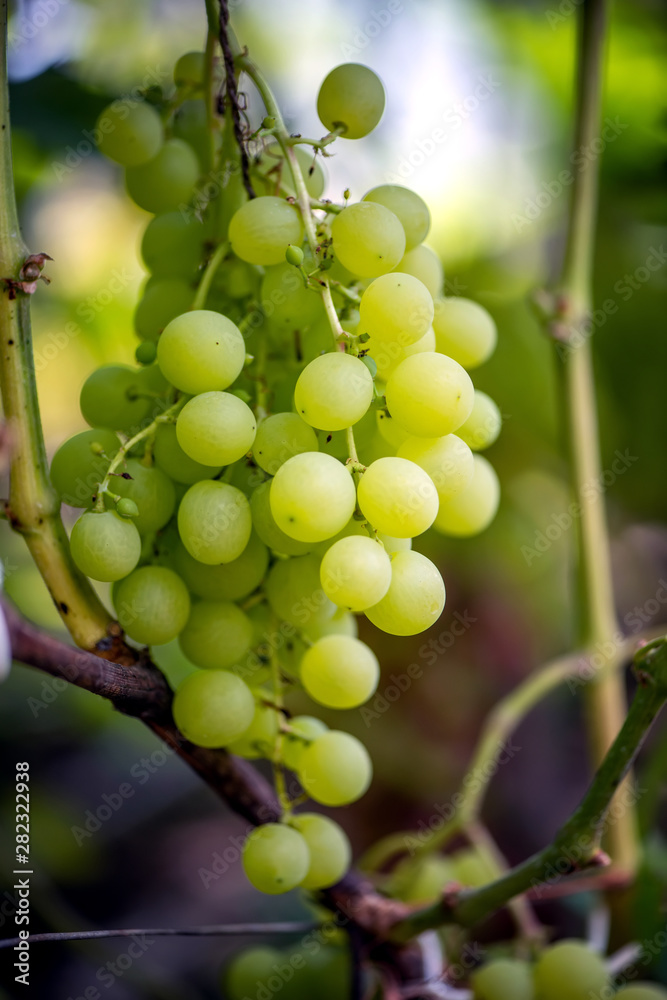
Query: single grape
(472, 510)
(410, 210)
(230, 581)
(353, 527)
(294, 591)
(249, 971)
(415, 598)
(329, 849)
(201, 351)
(104, 545)
(80, 465)
(266, 527)
(274, 172)
(152, 605)
(280, 437)
(642, 991)
(390, 354)
(503, 978)
(172, 246)
(340, 672)
(312, 497)
(190, 123)
(423, 263)
(429, 395)
(167, 181)
(151, 490)
(351, 96)
(259, 738)
(127, 508)
(303, 730)
(334, 391)
(146, 352)
(389, 430)
(214, 522)
(335, 769)
(189, 69)
(393, 545)
(368, 239)
(212, 708)
(569, 970)
(396, 307)
(294, 256)
(216, 428)
(471, 868)
(464, 331)
(355, 572)
(483, 425)
(130, 134)
(275, 858)
(236, 279)
(171, 458)
(217, 635)
(111, 398)
(398, 497)
(447, 460)
(163, 299)
(422, 879)
(262, 229)
(286, 303)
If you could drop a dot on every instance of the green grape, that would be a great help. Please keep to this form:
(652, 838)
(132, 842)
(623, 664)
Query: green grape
(472, 510)
(303, 730)
(129, 134)
(236, 279)
(398, 497)
(259, 738)
(334, 391)
(569, 970)
(410, 210)
(151, 382)
(286, 302)
(422, 880)
(642, 991)
(389, 431)
(212, 708)
(396, 307)
(104, 546)
(340, 672)
(274, 173)
(325, 974)
(464, 331)
(261, 229)
(312, 497)
(172, 246)
(329, 849)
(151, 490)
(294, 256)
(351, 96)
(368, 239)
(190, 69)
(355, 572)
(127, 508)
(423, 263)
(80, 464)
(190, 124)
(214, 522)
(471, 868)
(503, 978)
(340, 623)
(393, 545)
(201, 351)
(390, 354)
(152, 604)
(483, 425)
(217, 635)
(265, 525)
(279, 437)
(335, 769)
(353, 527)
(146, 352)
(216, 428)
(275, 858)
(167, 181)
(250, 970)
(447, 460)
(294, 591)
(430, 395)
(111, 398)
(415, 598)
(171, 458)
(230, 581)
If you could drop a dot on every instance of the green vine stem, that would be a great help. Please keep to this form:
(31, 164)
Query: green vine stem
(34, 509)
(576, 846)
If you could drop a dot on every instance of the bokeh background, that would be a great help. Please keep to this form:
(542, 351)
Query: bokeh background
(478, 122)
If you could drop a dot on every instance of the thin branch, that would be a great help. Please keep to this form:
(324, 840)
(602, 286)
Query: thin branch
(214, 930)
(232, 95)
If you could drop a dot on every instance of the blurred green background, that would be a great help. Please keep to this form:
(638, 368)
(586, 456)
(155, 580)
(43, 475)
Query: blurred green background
(478, 122)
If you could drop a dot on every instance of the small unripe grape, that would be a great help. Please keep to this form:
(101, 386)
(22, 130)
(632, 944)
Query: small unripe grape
(105, 546)
(146, 353)
(472, 509)
(329, 849)
(429, 395)
(152, 604)
(368, 239)
(166, 181)
(335, 769)
(396, 307)
(464, 330)
(275, 858)
(398, 497)
(212, 708)
(569, 970)
(483, 425)
(334, 391)
(340, 672)
(411, 210)
(351, 96)
(294, 256)
(201, 351)
(415, 598)
(130, 135)
(127, 508)
(261, 230)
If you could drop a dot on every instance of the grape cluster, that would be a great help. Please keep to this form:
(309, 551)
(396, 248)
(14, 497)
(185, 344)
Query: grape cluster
(301, 410)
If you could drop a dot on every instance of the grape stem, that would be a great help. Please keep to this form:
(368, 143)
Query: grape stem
(278, 772)
(214, 262)
(33, 507)
(296, 140)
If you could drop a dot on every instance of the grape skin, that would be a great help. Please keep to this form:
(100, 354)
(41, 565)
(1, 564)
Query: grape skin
(398, 497)
(569, 970)
(104, 546)
(340, 672)
(351, 95)
(261, 230)
(312, 497)
(415, 598)
(334, 391)
(430, 395)
(335, 769)
(152, 604)
(328, 847)
(216, 428)
(275, 858)
(212, 708)
(217, 635)
(201, 351)
(411, 210)
(368, 239)
(214, 522)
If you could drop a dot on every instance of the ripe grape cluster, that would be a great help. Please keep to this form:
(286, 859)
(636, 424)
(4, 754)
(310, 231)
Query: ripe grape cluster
(301, 409)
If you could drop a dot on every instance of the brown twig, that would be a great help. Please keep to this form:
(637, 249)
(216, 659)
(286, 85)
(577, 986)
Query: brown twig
(233, 96)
